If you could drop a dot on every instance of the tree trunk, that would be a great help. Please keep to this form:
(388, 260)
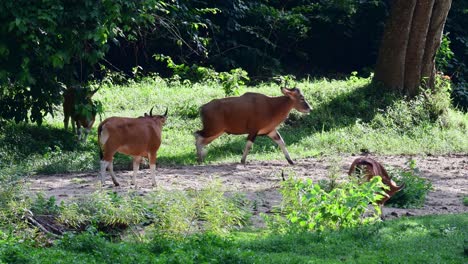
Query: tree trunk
(410, 42)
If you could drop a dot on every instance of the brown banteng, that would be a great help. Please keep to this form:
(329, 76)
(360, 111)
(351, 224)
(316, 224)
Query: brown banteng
(137, 137)
(370, 168)
(253, 114)
(78, 106)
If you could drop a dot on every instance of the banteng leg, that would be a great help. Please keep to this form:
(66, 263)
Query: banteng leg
(102, 173)
(88, 129)
(73, 125)
(202, 140)
(275, 135)
(65, 121)
(152, 161)
(136, 166)
(111, 171)
(80, 133)
(248, 146)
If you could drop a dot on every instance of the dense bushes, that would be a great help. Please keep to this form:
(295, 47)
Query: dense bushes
(307, 206)
(415, 191)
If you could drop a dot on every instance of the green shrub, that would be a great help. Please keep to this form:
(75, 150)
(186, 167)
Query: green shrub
(105, 210)
(178, 213)
(12, 251)
(232, 80)
(43, 206)
(307, 206)
(465, 201)
(415, 191)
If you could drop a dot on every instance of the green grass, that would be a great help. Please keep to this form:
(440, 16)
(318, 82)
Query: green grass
(348, 116)
(429, 239)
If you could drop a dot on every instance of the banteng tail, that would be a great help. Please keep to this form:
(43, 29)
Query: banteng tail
(101, 155)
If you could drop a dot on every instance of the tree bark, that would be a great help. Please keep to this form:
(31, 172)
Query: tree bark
(392, 51)
(434, 38)
(410, 42)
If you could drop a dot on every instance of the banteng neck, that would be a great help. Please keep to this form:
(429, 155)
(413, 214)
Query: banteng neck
(281, 106)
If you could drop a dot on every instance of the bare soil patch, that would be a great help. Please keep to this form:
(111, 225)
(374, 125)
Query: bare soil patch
(259, 180)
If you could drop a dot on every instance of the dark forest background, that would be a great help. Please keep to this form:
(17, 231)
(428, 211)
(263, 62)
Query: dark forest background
(48, 45)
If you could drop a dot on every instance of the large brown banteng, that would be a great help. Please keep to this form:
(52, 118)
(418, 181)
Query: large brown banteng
(253, 114)
(371, 168)
(78, 106)
(137, 137)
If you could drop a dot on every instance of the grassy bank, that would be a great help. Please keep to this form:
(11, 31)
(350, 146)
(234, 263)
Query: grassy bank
(348, 116)
(430, 239)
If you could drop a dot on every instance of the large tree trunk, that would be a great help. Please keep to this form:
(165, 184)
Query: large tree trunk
(410, 42)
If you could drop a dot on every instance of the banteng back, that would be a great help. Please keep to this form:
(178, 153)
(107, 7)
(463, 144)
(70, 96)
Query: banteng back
(253, 114)
(370, 168)
(137, 137)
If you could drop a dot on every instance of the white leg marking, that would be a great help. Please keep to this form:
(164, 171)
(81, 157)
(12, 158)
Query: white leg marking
(153, 173)
(102, 173)
(275, 136)
(200, 151)
(248, 146)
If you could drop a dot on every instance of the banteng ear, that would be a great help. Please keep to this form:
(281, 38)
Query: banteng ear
(288, 92)
(145, 114)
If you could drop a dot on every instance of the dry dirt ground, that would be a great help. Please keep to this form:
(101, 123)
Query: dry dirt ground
(259, 180)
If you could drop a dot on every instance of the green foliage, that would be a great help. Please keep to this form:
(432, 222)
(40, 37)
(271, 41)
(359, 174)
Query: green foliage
(105, 210)
(426, 108)
(415, 191)
(465, 201)
(179, 213)
(45, 44)
(308, 207)
(426, 239)
(12, 251)
(232, 80)
(444, 54)
(43, 206)
(170, 213)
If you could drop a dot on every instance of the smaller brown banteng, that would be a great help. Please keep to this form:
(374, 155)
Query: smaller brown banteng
(370, 168)
(137, 137)
(253, 114)
(78, 106)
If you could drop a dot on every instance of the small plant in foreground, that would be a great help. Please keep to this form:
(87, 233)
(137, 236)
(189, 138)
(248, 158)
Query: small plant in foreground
(465, 201)
(415, 191)
(309, 207)
(43, 206)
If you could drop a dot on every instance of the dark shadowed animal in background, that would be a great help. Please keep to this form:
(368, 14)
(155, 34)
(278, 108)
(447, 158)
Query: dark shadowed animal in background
(369, 168)
(137, 137)
(78, 106)
(253, 114)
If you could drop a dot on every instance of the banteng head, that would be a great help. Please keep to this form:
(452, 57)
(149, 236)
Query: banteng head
(300, 104)
(161, 118)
